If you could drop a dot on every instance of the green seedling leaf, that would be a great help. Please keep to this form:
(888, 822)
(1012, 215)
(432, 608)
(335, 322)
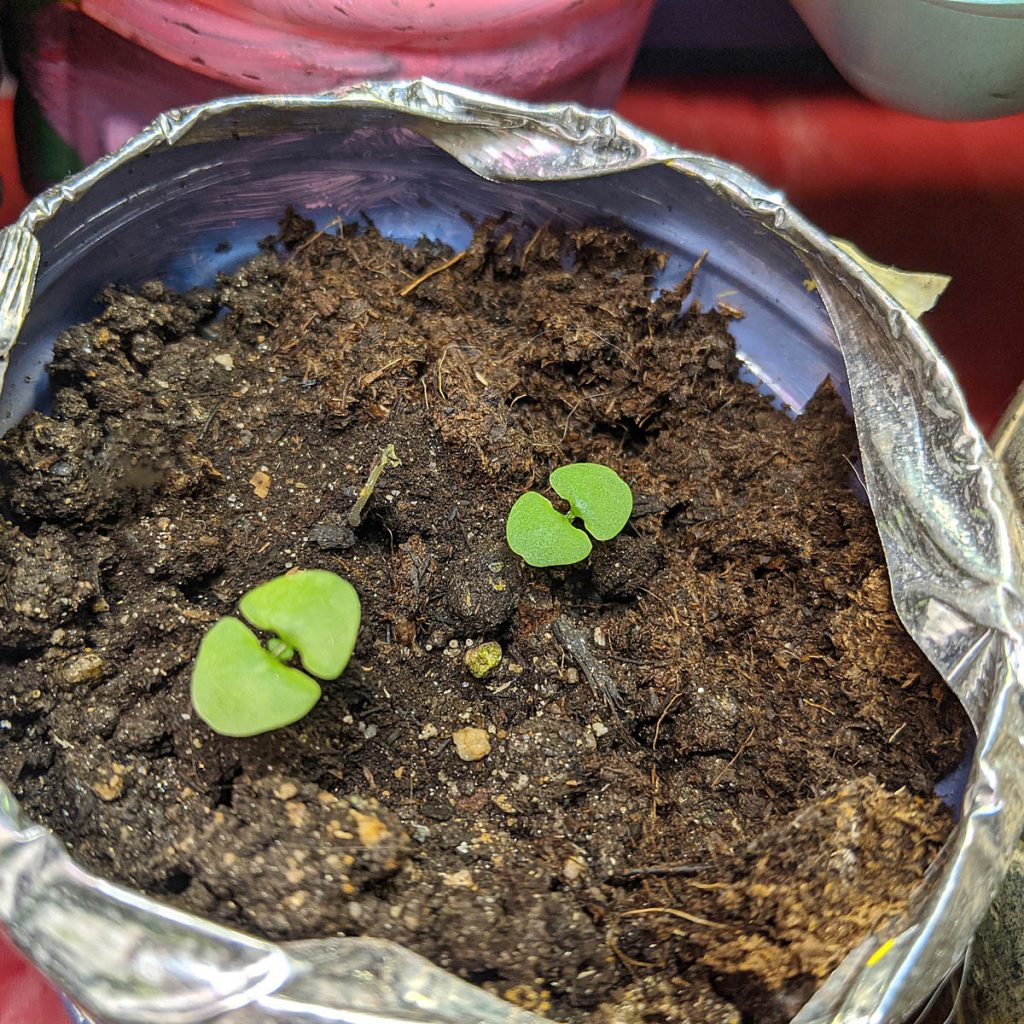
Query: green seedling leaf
(597, 495)
(542, 536)
(240, 689)
(314, 611)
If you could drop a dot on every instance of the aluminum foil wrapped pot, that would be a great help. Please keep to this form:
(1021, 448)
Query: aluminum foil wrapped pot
(417, 157)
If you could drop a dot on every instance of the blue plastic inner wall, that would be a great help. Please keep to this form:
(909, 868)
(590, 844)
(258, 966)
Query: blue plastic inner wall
(170, 213)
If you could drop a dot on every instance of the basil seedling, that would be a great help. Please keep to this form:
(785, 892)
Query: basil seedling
(241, 688)
(596, 494)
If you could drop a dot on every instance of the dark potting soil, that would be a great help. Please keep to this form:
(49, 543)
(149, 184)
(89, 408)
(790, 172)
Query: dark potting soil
(703, 768)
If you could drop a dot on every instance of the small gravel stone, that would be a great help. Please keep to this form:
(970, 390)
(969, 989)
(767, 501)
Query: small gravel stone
(483, 659)
(573, 869)
(111, 788)
(471, 744)
(84, 669)
(332, 533)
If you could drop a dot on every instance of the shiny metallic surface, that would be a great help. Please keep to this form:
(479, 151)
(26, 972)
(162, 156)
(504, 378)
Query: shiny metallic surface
(994, 985)
(415, 157)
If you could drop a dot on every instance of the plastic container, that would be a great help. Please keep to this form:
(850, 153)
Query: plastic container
(951, 59)
(529, 49)
(417, 157)
(98, 72)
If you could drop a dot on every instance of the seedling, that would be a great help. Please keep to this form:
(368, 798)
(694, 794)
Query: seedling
(241, 688)
(597, 495)
(388, 457)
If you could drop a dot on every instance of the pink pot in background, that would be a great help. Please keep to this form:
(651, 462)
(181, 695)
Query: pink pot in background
(101, 71)
(529, 49)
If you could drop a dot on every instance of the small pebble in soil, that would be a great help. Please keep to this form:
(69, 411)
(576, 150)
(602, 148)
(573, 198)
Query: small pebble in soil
(332, 533)
(484, 659)
(83, 669)
(471, 744)
(573, 869)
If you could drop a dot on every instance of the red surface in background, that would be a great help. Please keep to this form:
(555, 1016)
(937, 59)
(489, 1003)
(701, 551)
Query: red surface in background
(24, 997)
(12, 195)
(921, 194)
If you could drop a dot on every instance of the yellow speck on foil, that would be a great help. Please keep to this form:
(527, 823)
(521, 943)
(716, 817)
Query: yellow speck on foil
(880, 952)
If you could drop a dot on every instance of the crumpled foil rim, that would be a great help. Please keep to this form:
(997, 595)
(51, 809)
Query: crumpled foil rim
(944, 511)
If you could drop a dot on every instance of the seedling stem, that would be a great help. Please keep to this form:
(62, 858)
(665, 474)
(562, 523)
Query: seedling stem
(280, 650)
(386, 458)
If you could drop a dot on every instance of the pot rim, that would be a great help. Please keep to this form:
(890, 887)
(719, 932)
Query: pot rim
(955, 583)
